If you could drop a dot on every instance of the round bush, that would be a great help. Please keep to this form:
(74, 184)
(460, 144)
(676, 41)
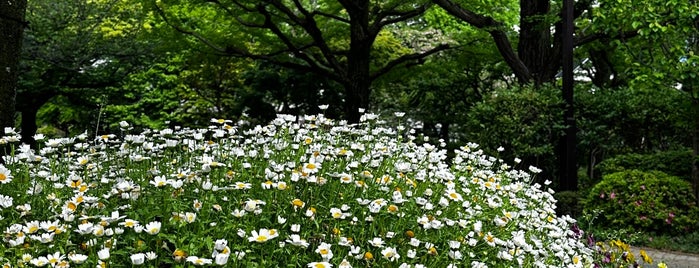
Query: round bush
(645, 201)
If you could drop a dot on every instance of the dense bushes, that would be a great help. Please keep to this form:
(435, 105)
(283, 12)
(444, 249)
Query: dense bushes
(675, 163)
(644, 201)
(527, 122)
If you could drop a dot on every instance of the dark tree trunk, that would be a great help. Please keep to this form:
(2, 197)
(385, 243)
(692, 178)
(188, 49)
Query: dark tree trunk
(605, 75)
(358, 76)
(444, 132)
(534, 47)
(31, 103)
(11, 29)
(695, 150)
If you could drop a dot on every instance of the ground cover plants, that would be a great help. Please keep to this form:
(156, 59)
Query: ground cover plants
(298, 192)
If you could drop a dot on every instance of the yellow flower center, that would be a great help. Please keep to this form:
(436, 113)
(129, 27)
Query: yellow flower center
(261, 238)
(410, 233)
(179, 253)
(310, 166)
(297, 203)
(3, 177)
(392, 208)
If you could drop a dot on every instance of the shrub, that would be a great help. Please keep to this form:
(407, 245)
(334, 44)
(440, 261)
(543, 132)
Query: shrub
(675, 163)
(645, 201)
(568, 203)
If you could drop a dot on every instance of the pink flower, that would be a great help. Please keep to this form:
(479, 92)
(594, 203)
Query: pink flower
(601, 196)
(612, 195)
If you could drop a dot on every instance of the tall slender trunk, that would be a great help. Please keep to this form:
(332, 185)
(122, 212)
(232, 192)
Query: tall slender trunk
(695, 150)
(11, 30)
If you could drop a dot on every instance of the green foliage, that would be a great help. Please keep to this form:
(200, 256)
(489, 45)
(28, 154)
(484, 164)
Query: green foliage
(686, 242)
(675, 163)
(526, 121)
(631, 119)
(568, 203)
(643, 201)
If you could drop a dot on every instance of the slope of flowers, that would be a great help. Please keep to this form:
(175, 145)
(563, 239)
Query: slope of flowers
(319, 193)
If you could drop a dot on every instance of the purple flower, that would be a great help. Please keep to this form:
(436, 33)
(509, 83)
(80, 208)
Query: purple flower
(577, 233)
(607, 258)
(590, 241)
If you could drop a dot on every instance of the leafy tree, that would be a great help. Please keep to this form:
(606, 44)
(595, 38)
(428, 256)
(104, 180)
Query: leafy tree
(11, 29)
(661, 56)
(76, 49)
(334, 39)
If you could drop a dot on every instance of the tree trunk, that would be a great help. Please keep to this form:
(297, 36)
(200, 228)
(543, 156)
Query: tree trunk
(11, 29)
(695, 150)
(31, 103)
(358, 76)
(534, 47)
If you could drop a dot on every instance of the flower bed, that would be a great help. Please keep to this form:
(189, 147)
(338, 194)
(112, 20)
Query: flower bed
(319, 193)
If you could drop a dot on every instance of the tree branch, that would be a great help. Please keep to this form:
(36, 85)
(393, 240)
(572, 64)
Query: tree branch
(338, 18)
(237, 18)
(403, 59)
(494, 28)
(311, 28)
(597, 36)
(196, 35)
(396, 16)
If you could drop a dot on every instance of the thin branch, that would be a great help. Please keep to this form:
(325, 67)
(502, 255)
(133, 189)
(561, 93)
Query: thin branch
(403, 59)
(232, 14)
(621, 35)
(396, 16)
(311, 28)
(338, 18)
(196, 35)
